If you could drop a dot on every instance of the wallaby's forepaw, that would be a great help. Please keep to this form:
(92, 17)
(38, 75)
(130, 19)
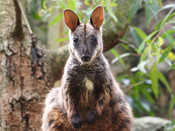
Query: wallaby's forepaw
(92, 116)
(76, 121)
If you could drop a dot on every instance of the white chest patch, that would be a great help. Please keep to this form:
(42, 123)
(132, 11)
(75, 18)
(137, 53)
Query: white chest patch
(88, 83)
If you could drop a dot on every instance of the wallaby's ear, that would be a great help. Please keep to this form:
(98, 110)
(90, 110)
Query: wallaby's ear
(71, 19)
(97, 17)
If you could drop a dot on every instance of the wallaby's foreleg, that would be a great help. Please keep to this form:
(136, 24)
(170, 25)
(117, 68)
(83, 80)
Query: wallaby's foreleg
(72, 113)
(102, 99)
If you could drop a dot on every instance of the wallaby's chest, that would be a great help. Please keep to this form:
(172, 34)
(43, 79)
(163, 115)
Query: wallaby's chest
(88, 84)
(85, 79)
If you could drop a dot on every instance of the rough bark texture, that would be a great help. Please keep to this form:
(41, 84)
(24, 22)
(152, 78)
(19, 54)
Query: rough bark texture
(28, 70)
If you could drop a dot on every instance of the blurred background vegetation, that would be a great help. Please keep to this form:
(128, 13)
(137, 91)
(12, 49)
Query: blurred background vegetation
(143, 62)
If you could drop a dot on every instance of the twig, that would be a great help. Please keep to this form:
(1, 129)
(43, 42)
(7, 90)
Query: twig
(128, 88)
(25, 18)
(126, 43)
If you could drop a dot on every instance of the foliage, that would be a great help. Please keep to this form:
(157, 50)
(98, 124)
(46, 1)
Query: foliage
(152, 51)
(143, 82)
(170, 126)
(46, 7)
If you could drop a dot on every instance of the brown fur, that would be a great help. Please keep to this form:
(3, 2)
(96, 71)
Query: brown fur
(89, 99)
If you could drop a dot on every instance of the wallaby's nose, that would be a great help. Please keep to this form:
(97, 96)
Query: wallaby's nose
(85, 58)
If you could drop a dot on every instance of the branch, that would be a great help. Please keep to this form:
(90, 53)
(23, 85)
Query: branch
(113, 31)
(128, 88)
(18, 32)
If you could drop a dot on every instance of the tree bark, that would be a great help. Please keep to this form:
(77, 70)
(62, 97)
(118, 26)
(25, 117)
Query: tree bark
(28, 70)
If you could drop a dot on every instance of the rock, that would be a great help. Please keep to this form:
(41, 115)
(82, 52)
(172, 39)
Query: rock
(149, 123)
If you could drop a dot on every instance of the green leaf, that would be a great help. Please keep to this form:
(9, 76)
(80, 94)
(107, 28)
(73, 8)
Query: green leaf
(61, 39)
(36, 15)
(125, 46)
(142, 45)
(148, 14)
(160, 41)
(168, 17)
(172, 67)
(151, 10)
(43, 4)
(62, 4)
(172, 102)
(163, 56)
(109, 9)
(164, 81)
(135, 36)
(170, 38)
(144, 54)
(165, 53)
(171, 32)
(154, 79)
(160, 2)
(140, 32)
(114, 52)
(155, 75)
(56, 19)
(71, 4)
(134, 8)
(148, 95)
(86, 2)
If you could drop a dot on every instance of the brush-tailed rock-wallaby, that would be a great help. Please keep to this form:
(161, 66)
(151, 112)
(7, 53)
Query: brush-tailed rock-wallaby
(89, 99)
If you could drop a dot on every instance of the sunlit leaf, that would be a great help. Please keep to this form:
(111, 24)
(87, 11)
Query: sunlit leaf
(56, 20)
(140, 32)
(142, 45)
(144, 54)
(62, 39)
(71, 4)
(171, 56)
(43, 4)
(86, 2)
(160, 41)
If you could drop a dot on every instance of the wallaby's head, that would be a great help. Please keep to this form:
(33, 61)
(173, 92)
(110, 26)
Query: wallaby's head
(85, 38)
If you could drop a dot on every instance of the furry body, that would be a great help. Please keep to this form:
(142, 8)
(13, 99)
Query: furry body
(106, 97)
(89, 99)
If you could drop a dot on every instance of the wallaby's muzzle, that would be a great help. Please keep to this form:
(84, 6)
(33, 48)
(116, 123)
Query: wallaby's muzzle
(85, 58)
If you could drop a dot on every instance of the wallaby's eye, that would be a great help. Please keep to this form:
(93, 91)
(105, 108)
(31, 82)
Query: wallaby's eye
(94, 38)
(75, 39)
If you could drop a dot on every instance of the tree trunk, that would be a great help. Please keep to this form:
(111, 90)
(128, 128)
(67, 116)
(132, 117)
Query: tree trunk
(27, 70)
